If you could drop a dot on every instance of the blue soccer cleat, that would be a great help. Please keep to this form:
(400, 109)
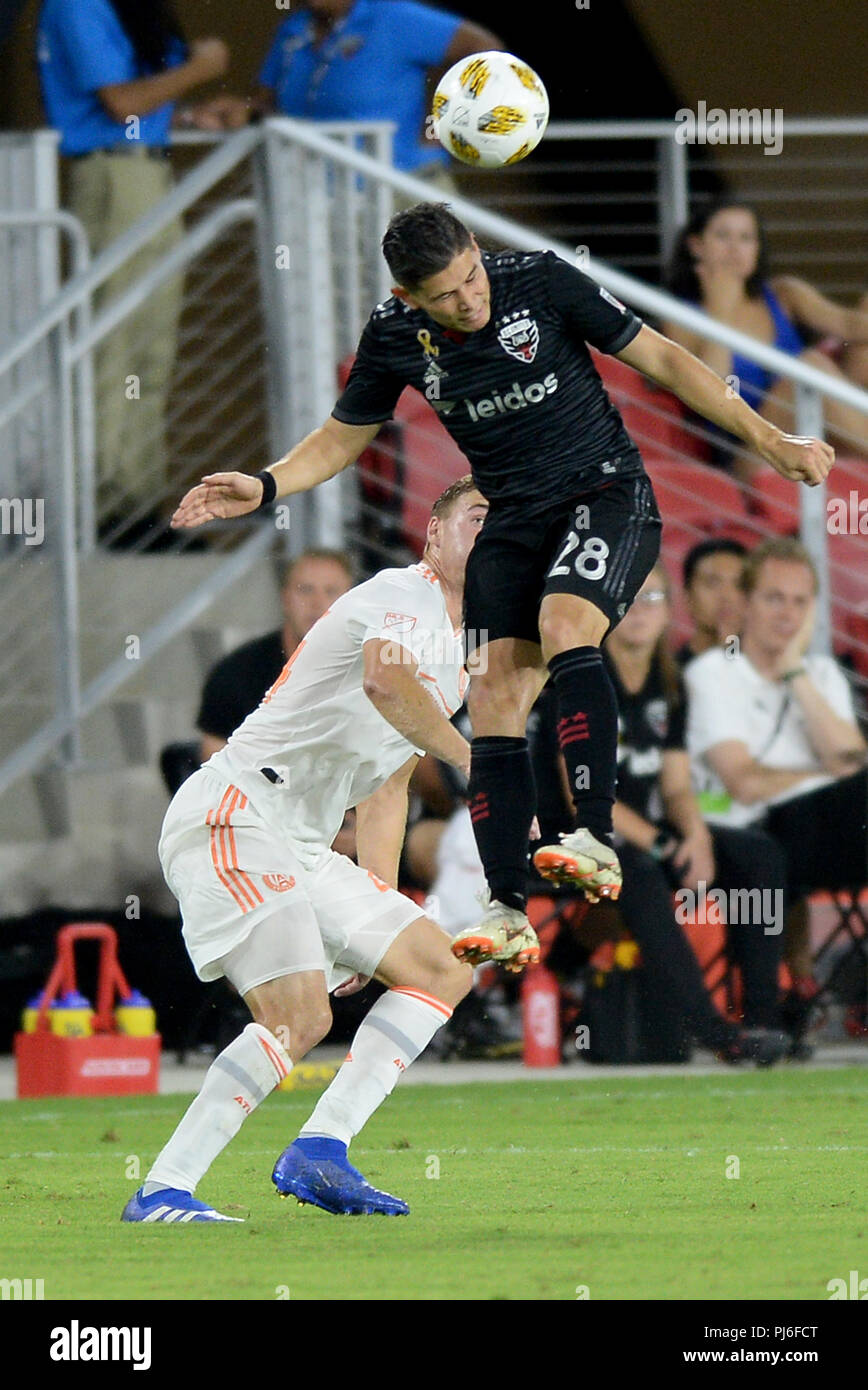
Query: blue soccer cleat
(336, 1186)
(171, 1204)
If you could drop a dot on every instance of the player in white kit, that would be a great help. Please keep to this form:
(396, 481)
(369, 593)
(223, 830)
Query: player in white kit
(266, 902)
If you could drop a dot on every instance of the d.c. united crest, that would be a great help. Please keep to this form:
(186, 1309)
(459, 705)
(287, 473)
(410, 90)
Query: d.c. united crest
(519, 336)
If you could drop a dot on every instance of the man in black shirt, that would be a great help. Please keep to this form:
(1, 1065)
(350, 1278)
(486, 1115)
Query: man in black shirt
(237, 683)
(498, 345)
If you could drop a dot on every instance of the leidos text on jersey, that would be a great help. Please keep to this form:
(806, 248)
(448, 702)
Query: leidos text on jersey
(516, 399)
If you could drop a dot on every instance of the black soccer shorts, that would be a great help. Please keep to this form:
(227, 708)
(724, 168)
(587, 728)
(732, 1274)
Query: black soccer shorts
(600, 546)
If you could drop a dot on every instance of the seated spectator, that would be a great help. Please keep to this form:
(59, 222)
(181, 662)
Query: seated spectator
(235, 686)
(355, 60)
(773, 737)
(712, 588)
(662, 841)
(720, 264)
(664, 844)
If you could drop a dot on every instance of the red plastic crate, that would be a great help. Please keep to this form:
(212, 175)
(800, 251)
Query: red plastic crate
(107, 1064)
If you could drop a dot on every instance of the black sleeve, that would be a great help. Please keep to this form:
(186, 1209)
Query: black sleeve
(593, 314)
(223, 706)
(372, 391)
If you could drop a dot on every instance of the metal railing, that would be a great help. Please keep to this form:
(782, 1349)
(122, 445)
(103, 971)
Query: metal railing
(325, 203)
(625, 188)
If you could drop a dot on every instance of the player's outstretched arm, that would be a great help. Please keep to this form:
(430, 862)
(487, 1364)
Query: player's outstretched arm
(802, 459)
(322, 454)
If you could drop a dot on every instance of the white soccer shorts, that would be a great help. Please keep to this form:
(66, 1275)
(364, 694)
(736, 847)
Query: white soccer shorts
(231, 872)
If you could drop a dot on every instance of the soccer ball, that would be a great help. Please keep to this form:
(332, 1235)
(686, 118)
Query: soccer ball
(490, 109)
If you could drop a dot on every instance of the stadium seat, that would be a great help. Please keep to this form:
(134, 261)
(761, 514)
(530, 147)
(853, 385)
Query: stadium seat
(431, 461)
(654, 418)
(407, 467)
(701, 500)
(848, 585)
(775, 500)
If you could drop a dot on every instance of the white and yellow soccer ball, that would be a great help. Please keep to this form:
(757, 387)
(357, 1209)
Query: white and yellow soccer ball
(490, 109)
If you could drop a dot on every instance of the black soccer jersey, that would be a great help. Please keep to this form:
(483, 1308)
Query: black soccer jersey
(521, 397)
(648, 726)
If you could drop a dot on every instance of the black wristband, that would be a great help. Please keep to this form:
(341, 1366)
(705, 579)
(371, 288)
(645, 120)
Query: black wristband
(269, 487)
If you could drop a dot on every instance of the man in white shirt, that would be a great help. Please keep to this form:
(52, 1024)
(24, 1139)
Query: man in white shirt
(266, 903)
(772, 730)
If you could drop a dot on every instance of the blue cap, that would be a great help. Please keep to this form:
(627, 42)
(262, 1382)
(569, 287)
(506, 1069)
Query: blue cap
(134, 1000)
(71, 1000)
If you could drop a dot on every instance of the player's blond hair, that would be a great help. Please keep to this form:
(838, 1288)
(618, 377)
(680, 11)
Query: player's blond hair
(452, 494)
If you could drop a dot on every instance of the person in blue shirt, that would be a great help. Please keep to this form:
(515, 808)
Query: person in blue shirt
(112, 73)
(363, 60)
(721, 265)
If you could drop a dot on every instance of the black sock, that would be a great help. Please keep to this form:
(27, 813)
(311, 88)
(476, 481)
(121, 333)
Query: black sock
(502, 800)
(588, 735)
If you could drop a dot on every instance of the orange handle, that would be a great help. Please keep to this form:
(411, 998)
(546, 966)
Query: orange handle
(110, 976)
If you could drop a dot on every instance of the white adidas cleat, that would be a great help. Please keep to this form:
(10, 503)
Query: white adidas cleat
(504, 935)
(581, 861)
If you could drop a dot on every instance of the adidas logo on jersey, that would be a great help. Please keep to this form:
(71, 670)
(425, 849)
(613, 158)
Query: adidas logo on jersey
(516, 399)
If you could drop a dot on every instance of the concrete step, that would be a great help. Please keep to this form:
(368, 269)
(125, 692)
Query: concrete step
(82, 825)
(121, 598)
(107, 855)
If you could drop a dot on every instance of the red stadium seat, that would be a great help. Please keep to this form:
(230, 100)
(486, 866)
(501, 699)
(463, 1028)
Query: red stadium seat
(408, 466)
(848, 585)
(775, 500)
(655, 419)
(700, 499)
(431, 461)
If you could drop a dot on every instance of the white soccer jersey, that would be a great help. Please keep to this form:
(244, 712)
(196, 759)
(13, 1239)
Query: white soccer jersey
(728, 699)
(318, 732)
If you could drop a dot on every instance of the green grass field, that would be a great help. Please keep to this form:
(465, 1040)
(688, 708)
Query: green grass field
(619, 1185)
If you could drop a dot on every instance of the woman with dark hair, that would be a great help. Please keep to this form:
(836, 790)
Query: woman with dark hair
(112, 72)
(664, 844)
(720, 264)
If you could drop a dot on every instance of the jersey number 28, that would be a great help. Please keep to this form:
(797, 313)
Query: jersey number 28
(590, 562)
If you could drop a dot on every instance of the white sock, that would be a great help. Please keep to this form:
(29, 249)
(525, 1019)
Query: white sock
(243, 1075)
(399, 1026)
